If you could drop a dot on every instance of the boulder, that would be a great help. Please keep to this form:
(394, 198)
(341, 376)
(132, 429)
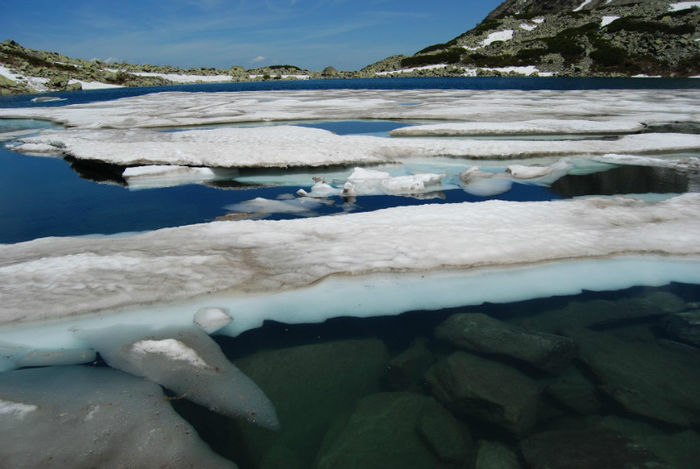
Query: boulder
(397, 430)
(575, 392)
(407, 368)
(684, 327)
(605, 313)
(495, 455)
(645, 378)
(486, 390)
(310, 385)
(586, 449)
(481, 333)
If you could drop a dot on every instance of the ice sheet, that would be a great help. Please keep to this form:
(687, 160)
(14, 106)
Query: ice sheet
(182, 109)
(61, 277)
(289, 146)
(531, 127)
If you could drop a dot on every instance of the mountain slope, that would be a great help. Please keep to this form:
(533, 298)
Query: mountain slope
(569, 38)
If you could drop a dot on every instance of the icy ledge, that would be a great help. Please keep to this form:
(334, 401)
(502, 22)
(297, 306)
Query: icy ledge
(287, 146)
(56, 278)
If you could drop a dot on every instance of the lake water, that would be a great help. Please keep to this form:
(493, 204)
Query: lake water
(617, 386)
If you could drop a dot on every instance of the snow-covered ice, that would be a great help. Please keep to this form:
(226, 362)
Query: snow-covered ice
(289, 146)
(533, 127)
(187, 109)
(66, 277)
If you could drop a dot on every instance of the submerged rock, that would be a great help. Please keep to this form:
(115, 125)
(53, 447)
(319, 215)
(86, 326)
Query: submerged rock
(646, 379)
(407, 368)
(605, 313)
(495, 455)
(586, 449)
(684, 327)
(486, 390)
(188, 362)
(574, 391)
(398, 430)
(310, 385)
(84, 417)
(481, 333)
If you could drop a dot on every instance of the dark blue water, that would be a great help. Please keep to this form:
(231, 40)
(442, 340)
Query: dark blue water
(42, 197)
(467, 83)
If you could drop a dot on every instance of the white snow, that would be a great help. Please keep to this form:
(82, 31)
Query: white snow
(683, 6)
(172, 349)
(580, 7)
(505, 35)
(528, 26)
(185, 78)
(15, 409)
(93, 85)
(527, 127)
(36, 83)
(211, 318)
(606, 20)
(413, 69)
(538, 20)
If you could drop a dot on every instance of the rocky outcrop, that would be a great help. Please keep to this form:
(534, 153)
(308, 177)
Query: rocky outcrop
(570, 38)
(484, 334)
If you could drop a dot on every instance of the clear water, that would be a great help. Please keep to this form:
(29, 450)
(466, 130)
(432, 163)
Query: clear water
(326, 380)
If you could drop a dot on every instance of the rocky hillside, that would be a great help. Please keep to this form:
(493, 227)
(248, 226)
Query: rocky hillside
(24, 70)
(567, 38)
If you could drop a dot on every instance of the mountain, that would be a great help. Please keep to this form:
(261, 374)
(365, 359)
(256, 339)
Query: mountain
(567, 38)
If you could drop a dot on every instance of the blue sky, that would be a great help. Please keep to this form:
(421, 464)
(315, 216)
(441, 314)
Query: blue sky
(347, 34)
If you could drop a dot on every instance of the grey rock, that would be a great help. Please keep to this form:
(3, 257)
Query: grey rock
(586, 449)
(684, 327)
(485, 390)
(495, 455)
(602, 313)
(647, 379)
(86, 417)
(397, 430)
(407, 368)
(484, 334)
(574, 391)
(310, 385)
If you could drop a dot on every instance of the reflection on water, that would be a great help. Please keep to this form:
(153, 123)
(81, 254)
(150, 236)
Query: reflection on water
(599, 380)
(623, 180)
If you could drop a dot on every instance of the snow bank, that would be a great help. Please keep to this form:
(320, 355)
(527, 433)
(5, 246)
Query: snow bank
(580, 7)
(683, 6)
(185, 78)
(505, 35)
(606, 20)
(93, 85)
(36, 83)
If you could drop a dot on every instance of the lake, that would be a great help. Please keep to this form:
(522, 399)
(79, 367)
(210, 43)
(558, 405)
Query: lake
(525, 296)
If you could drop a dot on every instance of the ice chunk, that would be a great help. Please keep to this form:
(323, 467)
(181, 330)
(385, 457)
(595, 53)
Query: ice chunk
(146, 177)
(17, 356)
(188, 362)
(93, 417)
(482, 183)
(211, 319)
(261, 207)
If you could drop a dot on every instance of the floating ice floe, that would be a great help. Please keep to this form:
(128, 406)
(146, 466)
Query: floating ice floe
(289, 146)
(261, 207)
(84, 416)
(186, 361)
(55, 278)
(690, 163)
(186, 109)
